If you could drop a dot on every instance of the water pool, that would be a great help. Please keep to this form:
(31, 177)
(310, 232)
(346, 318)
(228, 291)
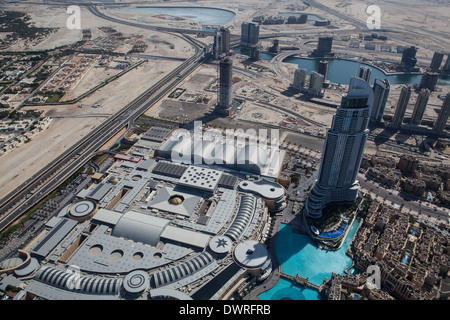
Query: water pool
(298, 254)
(405, 258)
(287, 290)
(201, 15)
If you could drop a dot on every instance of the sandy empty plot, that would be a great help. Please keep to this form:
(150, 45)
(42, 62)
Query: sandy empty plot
(70, 122)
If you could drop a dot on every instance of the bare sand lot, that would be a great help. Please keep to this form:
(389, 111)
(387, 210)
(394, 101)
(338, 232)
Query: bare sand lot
(72, 122)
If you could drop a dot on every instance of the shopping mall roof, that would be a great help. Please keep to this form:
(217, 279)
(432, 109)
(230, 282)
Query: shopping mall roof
(140, 227)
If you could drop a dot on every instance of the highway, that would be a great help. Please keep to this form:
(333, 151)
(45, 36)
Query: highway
(35, 189)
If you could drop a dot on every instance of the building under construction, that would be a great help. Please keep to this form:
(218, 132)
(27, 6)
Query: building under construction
(225, 98)
(221, 46)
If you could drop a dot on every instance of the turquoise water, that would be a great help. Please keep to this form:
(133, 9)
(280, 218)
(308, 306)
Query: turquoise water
(405, 258)
(341, 70)
(201, 15)
(286, 290)
(298, 254)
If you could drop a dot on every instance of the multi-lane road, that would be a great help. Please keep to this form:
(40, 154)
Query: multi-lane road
(35, 189)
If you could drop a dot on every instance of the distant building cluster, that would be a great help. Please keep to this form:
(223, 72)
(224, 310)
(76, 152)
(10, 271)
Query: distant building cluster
(413, 257)
(315, 83)
(14, 133)
(70, 73)
(410, 176)
(415, 124)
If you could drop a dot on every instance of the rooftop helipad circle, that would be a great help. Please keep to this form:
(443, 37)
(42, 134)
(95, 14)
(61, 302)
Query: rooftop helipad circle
(82, 208)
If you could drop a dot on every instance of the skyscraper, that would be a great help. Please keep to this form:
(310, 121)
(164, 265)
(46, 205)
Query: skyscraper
(446, 68)
(441, 121)
(436, 61)
(221, 45)
(225, 85)
(299, 79)
(381, 89)
(364, 73)
(276, 46)
(226, 47)
(217, 45)
(255, 54)
(323, 68)
(429, 80)
(249, 33)
(419, 108)
(323, 47)
(402, 104)
(409, 58)
(315, 83)
(343, 150)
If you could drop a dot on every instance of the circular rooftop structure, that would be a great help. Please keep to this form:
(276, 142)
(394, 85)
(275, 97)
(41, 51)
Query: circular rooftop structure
(82, 210)
(27, 268)
(176, 200)
(220, 244)
(136, 282)
(114, 180)
(251, 254)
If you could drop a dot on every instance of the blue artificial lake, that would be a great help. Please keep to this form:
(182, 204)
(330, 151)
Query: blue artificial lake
(341, 70)
(298, 254)
(201, 15)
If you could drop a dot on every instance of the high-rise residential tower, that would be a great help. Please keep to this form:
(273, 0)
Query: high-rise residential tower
(225, 85)
(226, 46)
(419, 108)
(343, 150)
(249, 33)
(323, 68)
(429, 80)
(441, 121)
(409, 60)
(381, 89)
(323, 47)
(364, 73)
(299, 78)
(402, 104)
(446, 67)
(315, 83)
(221, 45)
(436, 61)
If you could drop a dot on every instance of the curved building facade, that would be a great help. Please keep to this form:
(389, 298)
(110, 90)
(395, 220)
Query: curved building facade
(245, 213)
(140, 227)
(83, 284)
(343, 150)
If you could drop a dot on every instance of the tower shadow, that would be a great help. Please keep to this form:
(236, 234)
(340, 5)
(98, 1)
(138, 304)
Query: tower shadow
(383, 136)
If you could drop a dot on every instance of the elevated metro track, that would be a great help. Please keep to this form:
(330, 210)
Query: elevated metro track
(14, 205)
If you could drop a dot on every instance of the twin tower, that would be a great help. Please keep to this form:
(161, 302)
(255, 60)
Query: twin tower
(343, 150)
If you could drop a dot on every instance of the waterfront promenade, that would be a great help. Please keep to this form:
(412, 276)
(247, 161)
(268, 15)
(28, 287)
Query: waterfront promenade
(286, 218)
